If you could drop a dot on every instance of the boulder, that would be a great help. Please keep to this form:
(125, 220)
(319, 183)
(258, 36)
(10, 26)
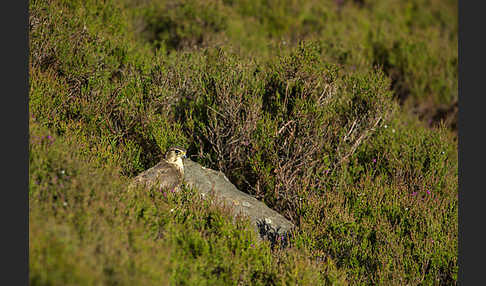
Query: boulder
(268, 223)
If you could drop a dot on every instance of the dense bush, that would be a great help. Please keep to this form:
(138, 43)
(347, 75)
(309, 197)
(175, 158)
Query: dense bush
(297, 105)
(413, 42)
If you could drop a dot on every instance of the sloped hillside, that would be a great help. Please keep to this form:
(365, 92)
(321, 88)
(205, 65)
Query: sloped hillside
(330, 112)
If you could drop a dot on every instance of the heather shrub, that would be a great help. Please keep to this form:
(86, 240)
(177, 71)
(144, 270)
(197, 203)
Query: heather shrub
(86, 229)
(302, 146)
(377, 215)
(297, 105)
(414, 42)
(282, 125)
(180, 25)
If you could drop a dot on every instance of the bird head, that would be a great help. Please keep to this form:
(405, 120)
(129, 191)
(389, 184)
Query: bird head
(174, 154)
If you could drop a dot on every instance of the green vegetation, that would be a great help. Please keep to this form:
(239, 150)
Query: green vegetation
(338, 114)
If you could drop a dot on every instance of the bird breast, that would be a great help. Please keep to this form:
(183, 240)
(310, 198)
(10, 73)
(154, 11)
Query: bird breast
(179, 165)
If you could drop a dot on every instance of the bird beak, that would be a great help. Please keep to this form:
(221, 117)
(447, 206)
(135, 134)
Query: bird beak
(185, 156)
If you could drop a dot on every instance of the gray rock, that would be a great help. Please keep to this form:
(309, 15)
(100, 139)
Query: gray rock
(268, 223)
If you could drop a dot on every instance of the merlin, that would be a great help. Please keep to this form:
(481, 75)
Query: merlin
(168, 173)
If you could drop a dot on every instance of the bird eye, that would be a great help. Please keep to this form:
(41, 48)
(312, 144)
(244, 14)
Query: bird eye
(177, 151)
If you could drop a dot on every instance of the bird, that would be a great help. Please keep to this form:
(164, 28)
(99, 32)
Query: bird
(168, 173)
